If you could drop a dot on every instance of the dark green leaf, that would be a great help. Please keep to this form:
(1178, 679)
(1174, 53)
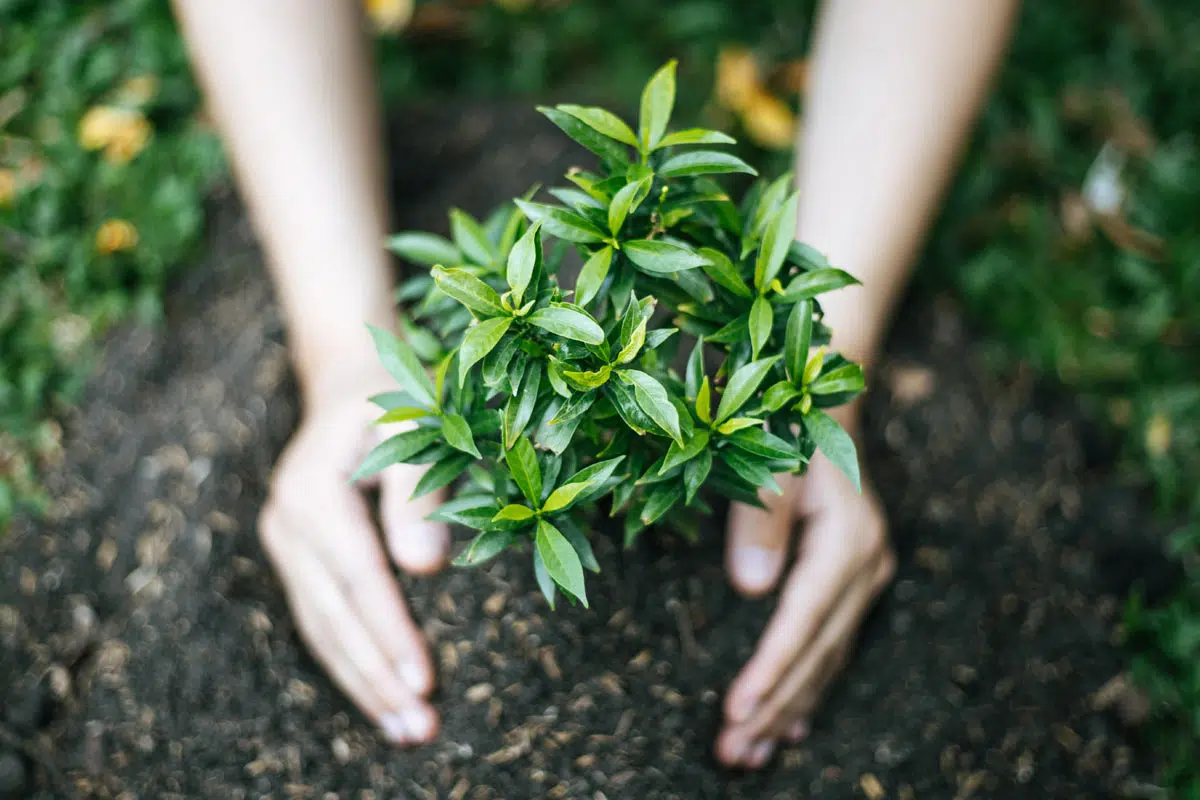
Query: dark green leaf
(695, 369)
(568, 321)
(718, 267)
(522, 463)
(519, 409)
(818, 281)
(832, 440)
(471, 239)
(677, 455)
(402, 364)
(779, 396)
(473, 511)
(731, 333)
(441, 474)
(695, 472)
(656, 337)
(485, 547)
(625, 403)
(761, 443)
(424, 248)
(742, 385)
(808, 256)
(660, 501)
(775, 243)
(523, 261)
(652, 398)
(578, 540)
(563, 223)
(846, 378)
(470, 291)
(479, 341)
(703, 162)
(592, 276)
(396, 450)
(458, 434)
(797, 339)
(658, 100)
(561, 561)
(751, 469)
(762, 318)
(662, 258)
(626, 202)
(694, 136)
(544, 581)
(603, 146)
(496, 363)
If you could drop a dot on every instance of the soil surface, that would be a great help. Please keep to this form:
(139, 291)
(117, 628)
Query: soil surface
(146, 649)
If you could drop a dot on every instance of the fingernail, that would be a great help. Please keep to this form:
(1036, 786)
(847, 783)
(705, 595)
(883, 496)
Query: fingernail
(419, 722)
(760, 752)
(420, 547)
(394, 728)
(414, 677)
(798, 730)
(754, 566)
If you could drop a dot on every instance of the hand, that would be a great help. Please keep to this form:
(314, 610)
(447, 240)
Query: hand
(316, 529)
(843, 562)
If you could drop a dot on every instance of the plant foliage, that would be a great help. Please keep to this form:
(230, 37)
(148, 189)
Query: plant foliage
(552, 393)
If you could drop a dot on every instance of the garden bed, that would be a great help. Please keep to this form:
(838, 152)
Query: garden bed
(145, 646)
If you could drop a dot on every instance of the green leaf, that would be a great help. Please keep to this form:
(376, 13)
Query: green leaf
(818, 281)
(657, 336)
(581, 544)
(402, 364)
(396, 450)
(779, 396)
(596, 474)
(544, 581)
(808, 257)
(523, 464)
(403, 414)
(390, 400)
(554, 372)
(592, 276)
(762, 318)
(652, 398)
(424, 248)
(514, 512)
(742, 385)
(563, 496)
(695, 472)
(718, 267)
(473, 511)
(662, 258)
(832, 440)
(479, 341)
(442, 473)
(561, 561)
(658, 100)
(633, 344)
(608, 149)
(695, 368)
(704, 402)
(732, 332)
(473, 293)
(602, 121)
(562, 223)
(776, 241)
(694, 136)
(735, 424)
(626, 201)
(496, 363)
(568, 321)
(751, 469)
(660, 501)
(703, 162)
(523, 261)
(765, 207)
(765, 444)
(797, 339)
(592, 379)
(519, 409)
(485, 547)
(677, 455)
(846, 378)
(813, 368)
(458, 434)
(471, 239)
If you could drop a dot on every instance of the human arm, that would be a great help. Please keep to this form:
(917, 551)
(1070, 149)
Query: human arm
(290, 85)
(894, 89)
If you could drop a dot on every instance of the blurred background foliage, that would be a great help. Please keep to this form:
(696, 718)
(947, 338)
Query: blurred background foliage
(1072, 234)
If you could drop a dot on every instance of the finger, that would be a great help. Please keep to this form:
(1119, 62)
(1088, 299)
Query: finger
(756, 544)
(416, 544)
(814, 586)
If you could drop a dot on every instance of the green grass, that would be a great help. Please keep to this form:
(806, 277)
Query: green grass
(1115, 317)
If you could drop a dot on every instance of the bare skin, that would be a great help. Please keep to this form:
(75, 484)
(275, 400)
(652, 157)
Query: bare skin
(894, 89)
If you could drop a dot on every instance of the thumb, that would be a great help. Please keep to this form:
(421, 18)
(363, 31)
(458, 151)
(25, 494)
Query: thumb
(757, 541)
(415, 544)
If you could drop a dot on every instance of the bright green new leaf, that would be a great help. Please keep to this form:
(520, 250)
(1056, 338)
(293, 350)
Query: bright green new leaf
(694, 136)
(563, 496)
(797, 339)
(396, 450)
(734, 424)
(592, 379)
(832, 440)
(658, 100)
(523, 261)
(762, 318)
(703, 162)
(514, 512)
(818, 281)
(722, 271)
(626, 201)
(402, 364)
(813, 368)
(592, 276)
(483, 300)
(742, 385)
(653, 399)
(426, 249)
(662, 258)
(846, 378)
(775, 243)
(403, 414)
(561, 561)
(471, 239)
(522, 463)
(479, 341)
(632, 345)
(568, 321)
(704, 402)
(602, 121)
(458, 434)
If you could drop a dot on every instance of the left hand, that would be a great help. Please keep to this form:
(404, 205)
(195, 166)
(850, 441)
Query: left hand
(844, 561)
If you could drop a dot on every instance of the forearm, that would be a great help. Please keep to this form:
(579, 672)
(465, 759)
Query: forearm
(894, 88)
(290, 84)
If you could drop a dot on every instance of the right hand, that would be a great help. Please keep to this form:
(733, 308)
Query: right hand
(316, 529)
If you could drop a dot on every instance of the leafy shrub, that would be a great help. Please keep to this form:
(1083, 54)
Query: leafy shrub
(551, 399)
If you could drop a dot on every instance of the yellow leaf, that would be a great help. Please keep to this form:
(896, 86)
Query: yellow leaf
(128, 139)
(98, 126)
(8, 186)
(116, 235)
(737, 77)
(769, 121)
(1158, 435)
(389, 16)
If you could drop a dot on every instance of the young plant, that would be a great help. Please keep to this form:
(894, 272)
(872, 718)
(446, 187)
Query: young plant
(550, 399)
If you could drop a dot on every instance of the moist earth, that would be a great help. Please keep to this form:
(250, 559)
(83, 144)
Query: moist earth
(146, 649)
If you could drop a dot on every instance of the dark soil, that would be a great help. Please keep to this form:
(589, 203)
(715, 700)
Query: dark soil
(146, 650)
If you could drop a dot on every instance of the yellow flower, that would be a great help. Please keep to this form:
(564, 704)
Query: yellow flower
(116, 235)
(8, 186)
(121, 132)
(97, 126)
(128, 139)
(737, 77)
(139, 90)
(1158, 435)
(389, 16)
(769, 121)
